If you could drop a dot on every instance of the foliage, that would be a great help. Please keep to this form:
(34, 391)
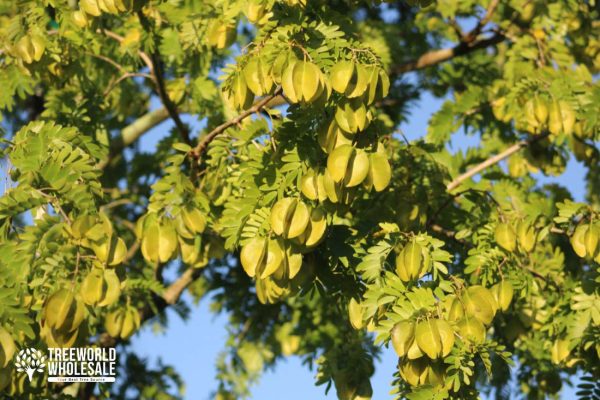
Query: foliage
(298, 208)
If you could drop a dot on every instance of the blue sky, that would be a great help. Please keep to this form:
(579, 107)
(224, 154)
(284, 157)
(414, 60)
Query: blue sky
(192, 346)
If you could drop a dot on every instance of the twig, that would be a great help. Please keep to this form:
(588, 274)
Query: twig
(205, 141)
(493, 160)
(120, 39)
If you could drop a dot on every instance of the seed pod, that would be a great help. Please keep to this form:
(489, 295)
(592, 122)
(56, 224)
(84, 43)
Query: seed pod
(567, 116)
(428, 338)
(348, 165)
(436, 374)
(416, 260)
(529, 112)
(355, 314)
(63, 312)
(108, 6)
(351, 115)
(526, 236)
(190, 249)
(330, 136)
(480, 304)
(403, 336)
(257, 77)
(159, 241)
(255, 10)
(446, 336)
(472, 330)
(90, 7)
(112, 288)
(560, 350)
(113, 322)
(92, 287)
(289, 217)
(39, 45)
(379, 85)
(414, 372)
(380, 172)
(332, 189)
(590, 238)
(578, 240)
(80, 18)
(312, 186)
(315, 230)
(340, 75)
(540, 110)
(239, 96)
(454, 308)
(505, 236)
(131, 323)
(193, 219)
(302, 81)
(7, 348)
(555, 125)
(111, 251)
(359, 82)
(220, 34)
(24, 49)
(54, 338)
(503, 293)
(253, 254)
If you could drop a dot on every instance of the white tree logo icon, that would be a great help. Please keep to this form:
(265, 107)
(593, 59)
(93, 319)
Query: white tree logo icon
(29, 361)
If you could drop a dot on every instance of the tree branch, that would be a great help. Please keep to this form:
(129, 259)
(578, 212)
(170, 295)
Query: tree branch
(439, 56)
(133, 131)
(493, 160)
(257, 107)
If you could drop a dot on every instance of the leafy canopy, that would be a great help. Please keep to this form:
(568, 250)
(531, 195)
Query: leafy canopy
(297, 207)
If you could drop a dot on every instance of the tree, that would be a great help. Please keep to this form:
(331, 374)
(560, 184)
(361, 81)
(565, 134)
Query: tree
(299, 208)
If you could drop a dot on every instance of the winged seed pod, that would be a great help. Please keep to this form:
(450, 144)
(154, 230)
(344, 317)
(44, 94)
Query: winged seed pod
(578, 241)
(100, 287)
(90, 7)
(434, 337)
(454, 308)
(540, 110)
(591, 238)
(289, 217)
(560, 350)
(380, 172)
(379, 85)
(315, 231)
(193, 219)
(526, 236)
(355, 314)
(414, 372)
(221, 34)
(255, 10)
(122, 322)
(505, 236)
(348, 165)
(351, 115)
(312, 186)
(340, 75)
(330, 136)
(503, 293)
(7, 348)
(257, 77)
(412, 262)
(303, 81)
(111, 251)
(261, 257)
(472, 330)
(63, 311)
(54, 338)
(479, 303)
(159, 240)
(403, 336)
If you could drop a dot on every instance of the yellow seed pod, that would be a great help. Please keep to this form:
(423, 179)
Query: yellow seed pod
(253, 254)
(289, 217)
(540, 110)
(380, 171)
(526, 236)
(255, 10)
(190, 249)
(90, 7)
(472, 330)
(111, 251)
(340, 75)
(333, 190)
(578, 240)
(555, 125)
(351, 115)
(109, 6)
(330, 136)
(239, 96)
(453, 308)
(257, 76)
(590, 239)
(529, 114)
(479, 303)
(92, 288)
(428, 338)
(131, 323)
(113, 322)
(355, 314)
(348, 165)
(193, 219)
(403, 336)
(63, 311)
(112, 286)
(54, 338)
(505, 236)
(414, 372)
(39, 45)
(446, 336)
(401, 269)
(416, 260)
(316, 228)
(159, 240)
(302, 81)
(503, 293)
(80, 18)
(221, 34)
(560, 350)
(312, 186)
(359, 83)
(379, 85)
(7, 348)
(567, 116)
(24, 49)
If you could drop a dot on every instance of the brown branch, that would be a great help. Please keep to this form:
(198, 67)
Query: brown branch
(471, 36)
(166, 100)
(493, 160)
(439, 56)
(257, 107)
